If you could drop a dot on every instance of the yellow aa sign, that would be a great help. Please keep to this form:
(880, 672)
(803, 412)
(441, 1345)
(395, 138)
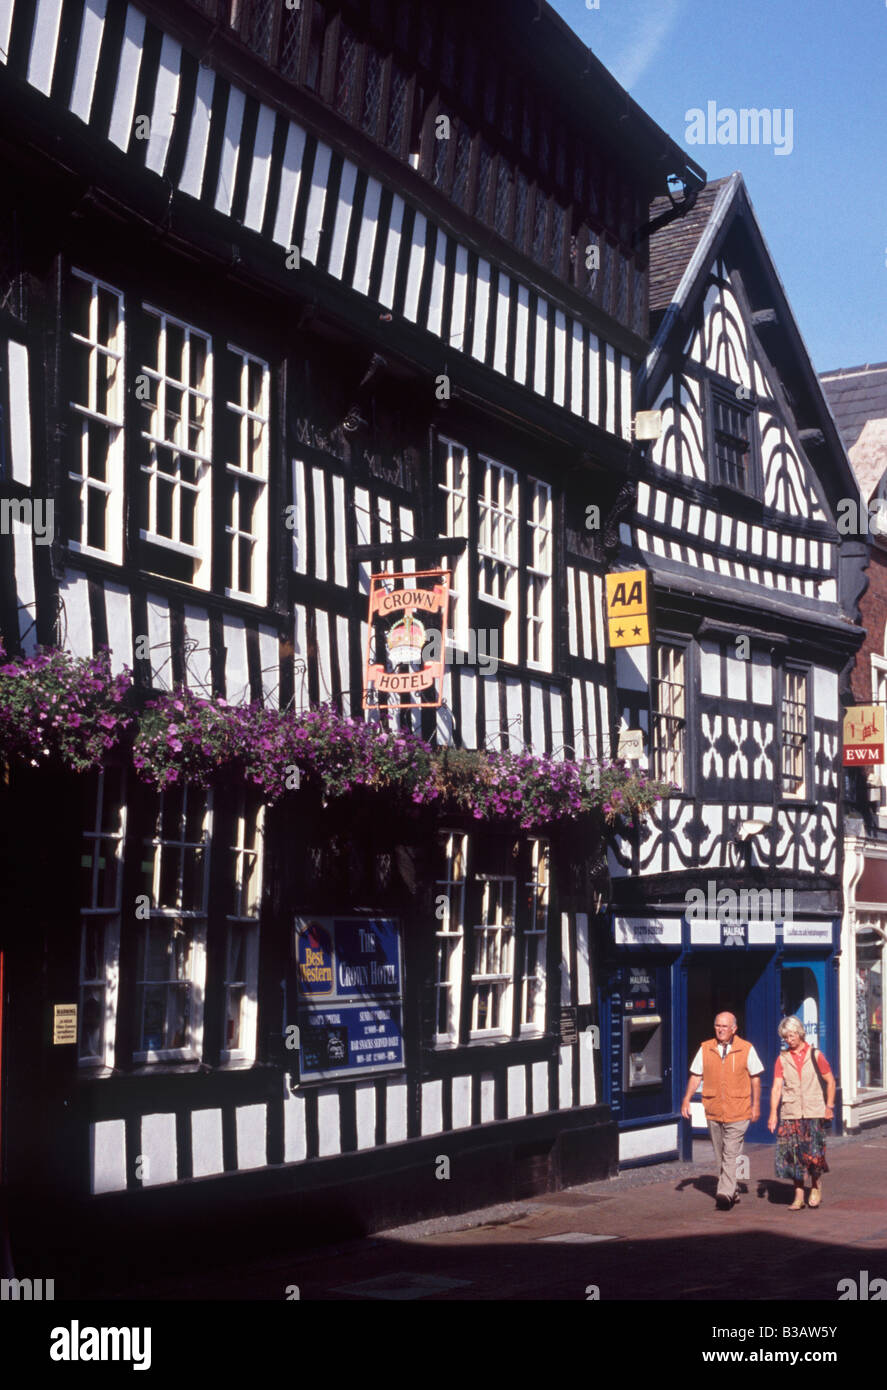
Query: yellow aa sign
(628, 618)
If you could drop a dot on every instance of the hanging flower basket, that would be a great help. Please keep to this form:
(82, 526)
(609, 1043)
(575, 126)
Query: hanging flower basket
(57, 707)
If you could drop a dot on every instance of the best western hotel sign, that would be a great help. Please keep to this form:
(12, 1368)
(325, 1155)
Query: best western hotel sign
(863, 735)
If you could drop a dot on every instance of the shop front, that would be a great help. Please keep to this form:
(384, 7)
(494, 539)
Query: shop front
(863, 963)
(667, 980)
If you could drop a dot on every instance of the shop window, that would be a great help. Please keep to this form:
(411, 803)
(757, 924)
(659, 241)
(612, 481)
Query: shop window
(95, 474)
(101, 865)
(242, 932)
(449, 903)
(869, 1012)
(669, 714)
(171, 965)
(794, 739)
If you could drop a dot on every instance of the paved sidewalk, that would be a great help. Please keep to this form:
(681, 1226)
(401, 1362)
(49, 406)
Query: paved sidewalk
(649, 1234)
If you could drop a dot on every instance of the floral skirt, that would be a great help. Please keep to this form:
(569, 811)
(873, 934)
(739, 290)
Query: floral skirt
(800, 1149)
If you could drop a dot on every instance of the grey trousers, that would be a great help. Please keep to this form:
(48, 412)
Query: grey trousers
(727, 1141)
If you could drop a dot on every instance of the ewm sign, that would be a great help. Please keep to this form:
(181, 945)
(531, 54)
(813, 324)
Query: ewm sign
(863, 735)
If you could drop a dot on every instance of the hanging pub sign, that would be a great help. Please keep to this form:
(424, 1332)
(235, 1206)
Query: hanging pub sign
(863, 735)
(407, 635)
(628, 615)
(350, 996)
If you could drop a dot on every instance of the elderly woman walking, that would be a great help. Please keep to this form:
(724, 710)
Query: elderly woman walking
(804, 1082)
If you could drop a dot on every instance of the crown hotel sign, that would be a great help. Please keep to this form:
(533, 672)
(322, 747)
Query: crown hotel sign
(405, 646)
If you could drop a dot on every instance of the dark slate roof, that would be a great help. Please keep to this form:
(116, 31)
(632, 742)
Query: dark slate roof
(672, 247)
(856, 395)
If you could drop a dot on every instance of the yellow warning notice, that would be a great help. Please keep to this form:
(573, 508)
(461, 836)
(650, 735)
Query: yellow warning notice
(628, 619)
(64, 1023)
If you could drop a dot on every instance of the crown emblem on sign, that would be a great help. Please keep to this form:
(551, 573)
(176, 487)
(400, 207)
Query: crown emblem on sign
(405, 641)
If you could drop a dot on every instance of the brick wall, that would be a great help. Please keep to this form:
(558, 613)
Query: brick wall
(873, 614)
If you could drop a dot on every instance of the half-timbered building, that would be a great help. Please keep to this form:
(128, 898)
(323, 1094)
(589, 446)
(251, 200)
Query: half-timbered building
(730, 897)
(292, 296)
(858, 400)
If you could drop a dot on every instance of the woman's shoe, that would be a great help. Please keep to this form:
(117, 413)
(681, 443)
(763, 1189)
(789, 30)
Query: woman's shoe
(815, 1197)
(798, 1203)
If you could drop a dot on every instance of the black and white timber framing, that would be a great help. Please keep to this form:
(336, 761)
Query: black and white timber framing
(755, 596)
(124, 235)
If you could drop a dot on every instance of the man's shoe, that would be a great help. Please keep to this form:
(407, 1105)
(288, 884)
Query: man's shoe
(723, 1203)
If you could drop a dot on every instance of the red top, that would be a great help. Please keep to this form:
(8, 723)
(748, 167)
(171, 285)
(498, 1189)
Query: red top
(800, 1056)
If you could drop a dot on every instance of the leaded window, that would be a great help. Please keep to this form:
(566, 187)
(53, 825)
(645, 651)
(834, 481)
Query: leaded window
(372, 91)
(484, 171)
(502, 209)
(346, 70)
(397, 108)
(462, 165)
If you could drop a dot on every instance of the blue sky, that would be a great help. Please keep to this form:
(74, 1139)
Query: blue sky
(823, 207)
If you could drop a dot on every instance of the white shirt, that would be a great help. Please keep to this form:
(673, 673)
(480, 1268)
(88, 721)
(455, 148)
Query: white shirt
(755, 1066)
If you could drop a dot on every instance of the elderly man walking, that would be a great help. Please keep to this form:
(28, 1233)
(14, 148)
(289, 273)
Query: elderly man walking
(731, 1097)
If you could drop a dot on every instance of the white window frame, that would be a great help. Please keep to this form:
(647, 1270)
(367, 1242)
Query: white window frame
(193, 1050)
(240, 476)
(455, 491)
(786, 748)
(246, 921)
(87, 412)
(669, 756)
(201, 550)
(533, 1002)
(450, 935)
(498, 546)
(496, 937)
(96, 839)
(539, 573)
